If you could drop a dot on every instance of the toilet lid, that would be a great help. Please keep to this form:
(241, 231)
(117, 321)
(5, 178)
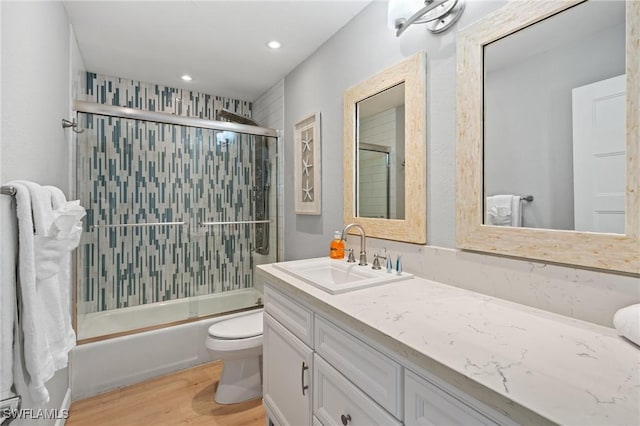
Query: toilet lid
(241, 327)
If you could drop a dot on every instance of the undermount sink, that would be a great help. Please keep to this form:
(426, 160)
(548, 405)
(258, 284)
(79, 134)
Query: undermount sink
(338, 276)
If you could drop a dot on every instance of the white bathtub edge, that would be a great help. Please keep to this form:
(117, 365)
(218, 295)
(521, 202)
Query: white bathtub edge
(100, 366)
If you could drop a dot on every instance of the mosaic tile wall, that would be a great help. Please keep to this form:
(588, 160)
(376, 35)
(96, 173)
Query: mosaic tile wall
(153, 97)
(131, 172)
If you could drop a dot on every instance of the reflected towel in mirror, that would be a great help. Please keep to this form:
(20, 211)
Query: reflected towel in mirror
(503, 210)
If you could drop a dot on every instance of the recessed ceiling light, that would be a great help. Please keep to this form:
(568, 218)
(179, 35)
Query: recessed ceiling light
(274, 44)
(186, 77)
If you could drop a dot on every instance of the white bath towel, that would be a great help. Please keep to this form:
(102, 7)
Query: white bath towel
(66, 226)
(627, 322)
(38, 361)
(45, 316)
(8, 301)
(503, 210)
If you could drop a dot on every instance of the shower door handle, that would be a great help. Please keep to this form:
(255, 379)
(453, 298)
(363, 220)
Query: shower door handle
(304, 387)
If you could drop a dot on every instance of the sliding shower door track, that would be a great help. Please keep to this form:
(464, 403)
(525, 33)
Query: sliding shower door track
(166, 118)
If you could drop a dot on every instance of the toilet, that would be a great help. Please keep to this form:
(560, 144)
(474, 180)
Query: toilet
(238, 343)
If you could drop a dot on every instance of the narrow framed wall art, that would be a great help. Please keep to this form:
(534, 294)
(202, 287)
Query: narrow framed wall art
(307, 160)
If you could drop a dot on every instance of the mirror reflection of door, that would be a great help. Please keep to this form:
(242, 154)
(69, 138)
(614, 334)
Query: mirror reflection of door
(599, 155)
(529, 77)
(380, 180)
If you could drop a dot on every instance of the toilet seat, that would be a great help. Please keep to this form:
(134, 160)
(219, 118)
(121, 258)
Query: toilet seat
(242, 327)
(230, 345)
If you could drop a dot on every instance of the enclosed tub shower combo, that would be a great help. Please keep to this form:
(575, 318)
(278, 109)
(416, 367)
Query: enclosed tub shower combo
(181, 207)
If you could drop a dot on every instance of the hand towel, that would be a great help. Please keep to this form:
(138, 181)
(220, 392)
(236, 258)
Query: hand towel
(503, 210)
(516, 211)
(627, 322)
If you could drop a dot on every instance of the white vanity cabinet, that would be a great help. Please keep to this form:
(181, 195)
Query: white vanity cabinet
(287, 360)
(349, 381)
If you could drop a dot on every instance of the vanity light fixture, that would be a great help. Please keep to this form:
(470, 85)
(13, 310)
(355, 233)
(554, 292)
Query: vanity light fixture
(274, 44)
(439, 15)
(186, 77)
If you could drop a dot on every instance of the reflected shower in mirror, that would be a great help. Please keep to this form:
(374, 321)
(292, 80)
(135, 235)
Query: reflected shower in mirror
(554, 121)
(380, 155)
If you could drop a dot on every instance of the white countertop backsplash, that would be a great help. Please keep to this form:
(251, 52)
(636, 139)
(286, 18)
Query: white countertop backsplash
(562, 369)
(589, 295)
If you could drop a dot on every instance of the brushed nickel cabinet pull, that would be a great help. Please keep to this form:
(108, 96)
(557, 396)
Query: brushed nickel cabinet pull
(304, 368)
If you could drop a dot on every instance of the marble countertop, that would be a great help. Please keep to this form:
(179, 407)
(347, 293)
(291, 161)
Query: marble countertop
(535, 363)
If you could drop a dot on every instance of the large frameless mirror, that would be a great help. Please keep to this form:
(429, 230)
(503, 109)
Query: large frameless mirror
(548, 133)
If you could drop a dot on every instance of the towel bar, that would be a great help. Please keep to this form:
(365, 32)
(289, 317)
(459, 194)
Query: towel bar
(9, 408)
(134, 225)
(237, 222)
(8, 190)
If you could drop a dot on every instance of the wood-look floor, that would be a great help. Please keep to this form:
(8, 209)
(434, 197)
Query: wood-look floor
(182, 398)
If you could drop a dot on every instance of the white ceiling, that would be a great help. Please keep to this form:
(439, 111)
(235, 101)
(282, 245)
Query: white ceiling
(221, 44)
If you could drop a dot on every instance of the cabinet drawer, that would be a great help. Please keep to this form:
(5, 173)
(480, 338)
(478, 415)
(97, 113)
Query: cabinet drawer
(427, 404)
(295, 317)
(336, 401)
(376, 374)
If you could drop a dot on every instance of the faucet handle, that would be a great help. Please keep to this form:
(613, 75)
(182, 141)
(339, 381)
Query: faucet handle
(351, 258)
(376, 261)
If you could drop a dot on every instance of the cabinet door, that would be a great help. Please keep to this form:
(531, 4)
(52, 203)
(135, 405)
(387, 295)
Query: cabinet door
(428, 405)
(287, 375)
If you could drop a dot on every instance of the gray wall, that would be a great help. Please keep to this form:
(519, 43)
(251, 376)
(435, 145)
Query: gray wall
(362, 48)
(35, 93)
(36, 74)
(528, 148)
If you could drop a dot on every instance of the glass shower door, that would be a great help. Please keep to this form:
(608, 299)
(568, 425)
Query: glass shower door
(172, 222)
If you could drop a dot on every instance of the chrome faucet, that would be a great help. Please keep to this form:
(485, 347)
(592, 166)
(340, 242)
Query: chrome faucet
(363, 243)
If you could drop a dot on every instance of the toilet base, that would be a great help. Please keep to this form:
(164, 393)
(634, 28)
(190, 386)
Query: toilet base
(241, 380)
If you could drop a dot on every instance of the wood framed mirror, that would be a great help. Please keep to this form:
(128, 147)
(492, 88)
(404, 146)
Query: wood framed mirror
(385, 153)
(610, 238)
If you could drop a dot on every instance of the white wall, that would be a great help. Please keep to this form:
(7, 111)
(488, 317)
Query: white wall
(35, 91)
(362, 48)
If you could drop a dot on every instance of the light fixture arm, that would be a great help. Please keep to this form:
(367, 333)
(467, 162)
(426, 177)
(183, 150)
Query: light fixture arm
(402, 25)
(448, 16)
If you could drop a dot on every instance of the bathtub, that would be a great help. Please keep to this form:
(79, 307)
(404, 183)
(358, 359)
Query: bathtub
(125, 319)
(109, 364)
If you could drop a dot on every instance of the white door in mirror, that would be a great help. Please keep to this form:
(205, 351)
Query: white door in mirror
(599, 156)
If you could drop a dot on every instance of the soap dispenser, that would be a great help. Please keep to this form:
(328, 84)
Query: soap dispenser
(336, 248)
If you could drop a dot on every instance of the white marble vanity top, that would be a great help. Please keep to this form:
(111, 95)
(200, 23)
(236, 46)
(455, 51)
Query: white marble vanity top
(563, 370)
